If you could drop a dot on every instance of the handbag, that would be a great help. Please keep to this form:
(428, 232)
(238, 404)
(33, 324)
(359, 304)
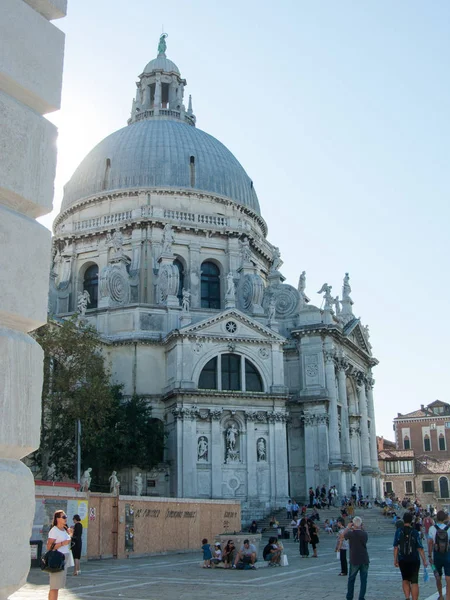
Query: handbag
(53, 561)
(284, 560)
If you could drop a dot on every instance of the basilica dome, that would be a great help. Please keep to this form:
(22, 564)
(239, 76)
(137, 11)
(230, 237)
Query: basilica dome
(161, 63)
(162, 153)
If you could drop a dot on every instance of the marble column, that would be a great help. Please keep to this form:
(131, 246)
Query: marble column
(157, 102)
(373, 436)
(333, 425)
(366, 469)
(345, 425)
(252, 483)
(217, 454)
(189, 454)
(281, 468)
(194, 274)
(311, 459)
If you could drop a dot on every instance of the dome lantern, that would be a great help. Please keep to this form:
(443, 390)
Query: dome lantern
(160, 91)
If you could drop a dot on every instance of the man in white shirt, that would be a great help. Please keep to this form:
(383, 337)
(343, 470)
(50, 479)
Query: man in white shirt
(247, 554)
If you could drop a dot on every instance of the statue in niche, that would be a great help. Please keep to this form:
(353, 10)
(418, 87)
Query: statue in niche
(202, 448)
(85, 480)
(115, 243)
(231, 437)
(232, 434)
(272, 309)
(167, 239)
(346, 289)
(82, 302)
(186, 300)
(326, 290)
(114, 484)
(230, 285)
(276, 260)
(261, 453)
(245, 250)
(138, 484)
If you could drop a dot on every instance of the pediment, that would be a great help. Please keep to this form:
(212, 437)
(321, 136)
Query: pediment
(232, 324)
(358, 334)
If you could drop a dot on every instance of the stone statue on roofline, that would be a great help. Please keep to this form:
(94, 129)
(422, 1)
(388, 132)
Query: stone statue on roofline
(114, 484)
(346, 289)
(138, 484)
(162, 46)
(167, 239)
(301, 289)
(276, 259)
(326, 291)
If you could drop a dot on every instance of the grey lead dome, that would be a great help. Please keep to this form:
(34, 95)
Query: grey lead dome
(157, 153)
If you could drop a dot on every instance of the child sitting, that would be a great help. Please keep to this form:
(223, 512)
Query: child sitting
(217, 554)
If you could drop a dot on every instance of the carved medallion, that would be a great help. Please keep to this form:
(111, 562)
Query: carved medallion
(286, 299)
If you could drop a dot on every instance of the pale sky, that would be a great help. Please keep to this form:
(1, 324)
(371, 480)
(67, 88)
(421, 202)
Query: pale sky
(339, 112)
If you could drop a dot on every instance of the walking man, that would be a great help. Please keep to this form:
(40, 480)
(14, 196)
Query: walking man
(408, 550)
(439, 552)
(359, 558)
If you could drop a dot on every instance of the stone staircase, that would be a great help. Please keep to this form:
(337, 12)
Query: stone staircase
(374, 522)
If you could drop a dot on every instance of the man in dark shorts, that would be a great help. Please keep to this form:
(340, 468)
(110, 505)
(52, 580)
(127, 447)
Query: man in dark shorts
(408, 550)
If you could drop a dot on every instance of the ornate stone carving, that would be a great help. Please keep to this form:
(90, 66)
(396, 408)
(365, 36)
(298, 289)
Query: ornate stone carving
(276, 416)
(264, 353)
(231, 327)
(115, 284)
(271, 310)
(216, 414)
(354, 430)
(346, 289)
(138, 484)
(312, 370)
(168, 282)
(203, 414)
(286, 300)
(197, 348)
(314, 419)
(250, 292)
(250, 415)
(231, 290)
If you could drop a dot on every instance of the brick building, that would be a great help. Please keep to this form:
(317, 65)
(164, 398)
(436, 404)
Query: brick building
(417, 465)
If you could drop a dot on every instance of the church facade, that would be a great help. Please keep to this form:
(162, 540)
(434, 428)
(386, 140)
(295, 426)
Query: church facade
(161, 246)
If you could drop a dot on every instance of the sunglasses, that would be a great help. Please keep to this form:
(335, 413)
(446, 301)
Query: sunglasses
(62, 517)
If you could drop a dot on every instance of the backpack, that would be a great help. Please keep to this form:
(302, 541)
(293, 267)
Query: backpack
(407, 544)
(441, 540)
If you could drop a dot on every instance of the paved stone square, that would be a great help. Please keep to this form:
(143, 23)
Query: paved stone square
(180, 576)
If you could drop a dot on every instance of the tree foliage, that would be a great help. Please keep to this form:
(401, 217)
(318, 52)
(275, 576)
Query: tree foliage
(116, 432)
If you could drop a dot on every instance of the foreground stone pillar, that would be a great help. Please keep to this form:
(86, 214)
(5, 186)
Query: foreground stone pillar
(31, 58)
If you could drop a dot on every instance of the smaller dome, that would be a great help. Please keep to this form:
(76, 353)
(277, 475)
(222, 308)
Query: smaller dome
(161, 63)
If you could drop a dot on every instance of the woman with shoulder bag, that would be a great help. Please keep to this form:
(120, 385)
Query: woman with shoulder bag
(59, 538)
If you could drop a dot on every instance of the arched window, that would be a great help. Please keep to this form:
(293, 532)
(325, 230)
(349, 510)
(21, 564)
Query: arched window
(230, 372)
(210, 286)
(180, 268)
(443, 488)
(406, 443)
(208, 376)
(253, 381)
(441, 441)
(427, 443)
(90, 283)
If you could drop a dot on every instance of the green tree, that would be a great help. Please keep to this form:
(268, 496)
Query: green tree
(116, 432)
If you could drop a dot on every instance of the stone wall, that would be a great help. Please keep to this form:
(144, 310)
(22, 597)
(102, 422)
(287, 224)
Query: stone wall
(31, 59)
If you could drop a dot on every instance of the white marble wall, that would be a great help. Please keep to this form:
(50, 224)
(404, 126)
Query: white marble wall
(31, 58)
